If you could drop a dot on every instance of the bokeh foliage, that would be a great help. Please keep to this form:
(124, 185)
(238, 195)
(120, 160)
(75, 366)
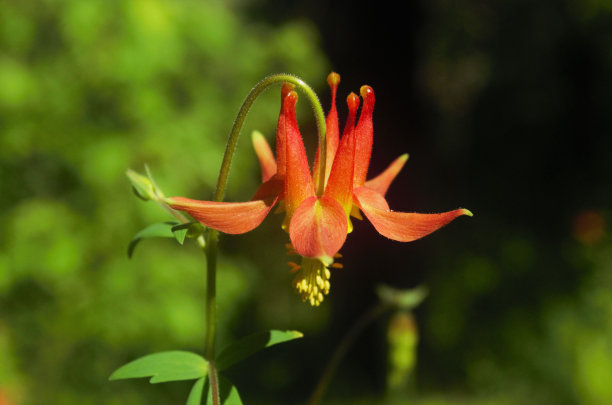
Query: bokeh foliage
(87, 90)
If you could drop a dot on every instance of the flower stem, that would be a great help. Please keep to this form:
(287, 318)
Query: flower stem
(210, 246)
(342, 348)
(246, 105)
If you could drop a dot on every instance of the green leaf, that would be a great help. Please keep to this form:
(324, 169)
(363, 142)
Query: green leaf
(164, 366)
(251, 344)
(179, 234)
(195, 396)
(228, 394)
(157, 230)
(190, 229)
(404, 299)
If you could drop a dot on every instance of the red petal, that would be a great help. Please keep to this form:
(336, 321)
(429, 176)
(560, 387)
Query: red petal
(340, 184)
(382, 182)
(332, 135)
(401, 226)
(318, 228)
(298, 183)
(352, 102)
(269, 190)
(280, 132)
(265, 156)
(364, 133)
(225, 217)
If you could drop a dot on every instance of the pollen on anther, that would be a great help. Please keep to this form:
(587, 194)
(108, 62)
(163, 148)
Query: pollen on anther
(337, 266)
(311, 280)
(326, 273)
(338, 256)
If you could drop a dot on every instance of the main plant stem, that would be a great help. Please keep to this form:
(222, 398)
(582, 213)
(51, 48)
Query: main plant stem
(210, 246)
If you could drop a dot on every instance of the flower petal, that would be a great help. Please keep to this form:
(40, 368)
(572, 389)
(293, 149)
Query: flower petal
(332, 136)
(227, 217)
(298, 182)
(340, 184)
(318, 228)
(370, 197)
(382, 182)
(280, 132)
(269, 190)
(401, 226)
(265, 156)
(363, 136)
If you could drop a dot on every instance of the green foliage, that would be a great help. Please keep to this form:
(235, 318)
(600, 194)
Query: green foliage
(164, 367)
(89, 89)
(187, 230)
(195, 395)
(251, 344)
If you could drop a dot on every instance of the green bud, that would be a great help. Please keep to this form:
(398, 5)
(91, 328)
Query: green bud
(143, 186)
(402, 338)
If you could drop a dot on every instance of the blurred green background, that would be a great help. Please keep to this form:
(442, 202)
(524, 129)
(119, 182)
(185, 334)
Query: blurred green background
(504, 109)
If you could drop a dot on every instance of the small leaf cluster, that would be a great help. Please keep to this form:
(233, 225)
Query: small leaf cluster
(182, 365)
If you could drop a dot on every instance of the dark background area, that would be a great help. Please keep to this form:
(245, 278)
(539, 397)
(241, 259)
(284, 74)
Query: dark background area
(504, 109)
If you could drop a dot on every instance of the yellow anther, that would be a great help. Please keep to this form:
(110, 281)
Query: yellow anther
(327, 273)
(311, 280)
(337, 256)
(337, 266)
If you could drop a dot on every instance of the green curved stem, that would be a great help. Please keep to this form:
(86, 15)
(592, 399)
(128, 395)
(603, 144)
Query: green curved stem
(211, 244)
(246, 105)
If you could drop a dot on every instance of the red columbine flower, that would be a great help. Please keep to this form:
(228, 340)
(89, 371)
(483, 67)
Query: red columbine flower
(318, 224)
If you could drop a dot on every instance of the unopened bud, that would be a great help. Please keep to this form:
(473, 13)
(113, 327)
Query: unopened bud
(142, 185)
